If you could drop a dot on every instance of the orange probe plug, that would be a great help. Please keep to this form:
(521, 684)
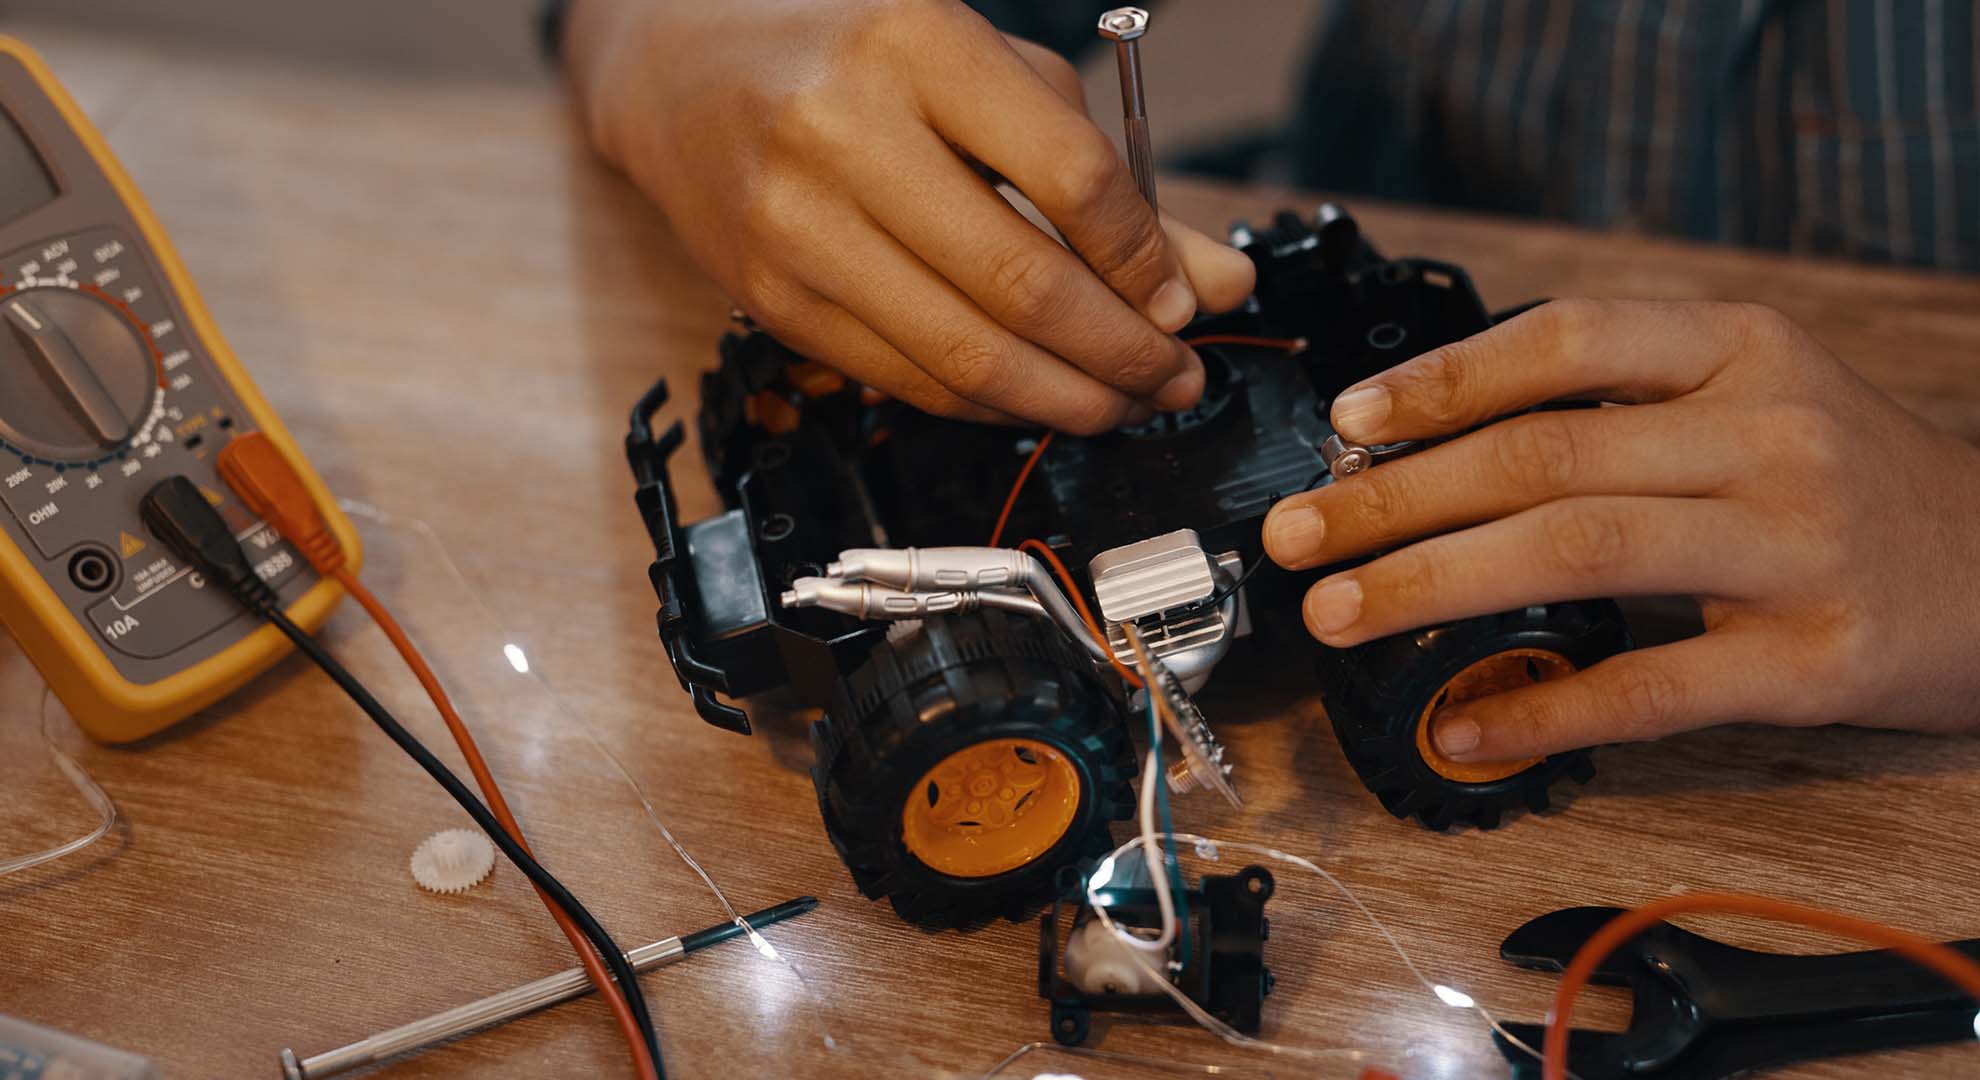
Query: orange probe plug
(268, 485)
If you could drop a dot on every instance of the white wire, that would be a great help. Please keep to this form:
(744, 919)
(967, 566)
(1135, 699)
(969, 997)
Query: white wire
(1151, 848)
(85, 785)
(1210, 849)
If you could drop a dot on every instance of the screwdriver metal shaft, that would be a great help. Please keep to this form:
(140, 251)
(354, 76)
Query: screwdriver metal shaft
(1124, 27)
(509, 1004)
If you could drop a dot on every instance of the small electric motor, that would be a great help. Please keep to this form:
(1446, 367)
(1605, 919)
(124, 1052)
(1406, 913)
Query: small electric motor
(1217, 961)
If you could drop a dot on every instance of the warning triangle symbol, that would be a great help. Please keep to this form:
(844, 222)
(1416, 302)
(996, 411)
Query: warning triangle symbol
(131, 544)
(213, 497)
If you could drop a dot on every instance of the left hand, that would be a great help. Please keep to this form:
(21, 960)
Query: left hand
(1832, 538)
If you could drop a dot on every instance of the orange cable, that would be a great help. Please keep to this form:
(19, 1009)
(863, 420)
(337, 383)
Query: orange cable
(268, 485)
(1291, 345)
(485, 780)
(1079, 600)
(1024, 474)
(1957, 968)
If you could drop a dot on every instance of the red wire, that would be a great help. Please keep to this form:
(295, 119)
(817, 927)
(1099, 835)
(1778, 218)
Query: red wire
(1956, 967)
(1079, 601)
(1030, 463)
(1290, 345)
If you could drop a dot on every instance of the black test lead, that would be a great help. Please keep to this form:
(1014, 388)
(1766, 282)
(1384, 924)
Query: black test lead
(177, 512)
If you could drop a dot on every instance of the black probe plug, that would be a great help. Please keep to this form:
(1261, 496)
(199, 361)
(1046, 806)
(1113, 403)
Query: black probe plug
(176, 511)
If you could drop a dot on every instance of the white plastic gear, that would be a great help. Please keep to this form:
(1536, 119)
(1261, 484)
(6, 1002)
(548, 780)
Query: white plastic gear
(452, 860)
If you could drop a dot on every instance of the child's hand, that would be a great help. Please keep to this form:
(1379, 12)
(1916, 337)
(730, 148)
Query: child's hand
(1832, 538)
(821, 158)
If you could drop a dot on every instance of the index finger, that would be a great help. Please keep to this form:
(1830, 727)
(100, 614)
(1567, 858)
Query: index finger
(1604, 350)
(1048, 149)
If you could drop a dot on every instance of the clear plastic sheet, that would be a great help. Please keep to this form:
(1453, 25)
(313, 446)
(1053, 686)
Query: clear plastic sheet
(518, 659)
(86, 786)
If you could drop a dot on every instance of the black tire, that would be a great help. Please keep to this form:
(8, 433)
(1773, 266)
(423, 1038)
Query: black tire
(955, 682)
(1376, 695)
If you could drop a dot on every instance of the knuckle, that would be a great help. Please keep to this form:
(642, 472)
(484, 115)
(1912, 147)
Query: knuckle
(767, 210)
(1412, 582)
(894, 25)
(1647, 698)
(1809, 433)
(1569, 318)
(1377, 504)
(1588, 543)
(1085, 172)
(1541, 454)
(1843, 659)
(810, 121)
(1532, 722)
(1765, 328)
(1031, 284)
(1446, 386)
(976, 365)
(764, 292)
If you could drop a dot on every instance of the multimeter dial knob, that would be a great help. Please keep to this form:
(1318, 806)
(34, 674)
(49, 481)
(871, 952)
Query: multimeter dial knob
(77, 378)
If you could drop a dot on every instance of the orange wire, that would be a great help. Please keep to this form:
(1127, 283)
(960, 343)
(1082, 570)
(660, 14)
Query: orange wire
(1079, 600)
(608, 988)
(1290, 345)
(1957, 968)
(268, 484)
(1024, 474)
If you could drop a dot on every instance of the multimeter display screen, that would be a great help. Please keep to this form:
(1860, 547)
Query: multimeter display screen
(24, 180)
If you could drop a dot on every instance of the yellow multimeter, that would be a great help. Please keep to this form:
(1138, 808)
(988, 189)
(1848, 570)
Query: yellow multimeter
(112, 378)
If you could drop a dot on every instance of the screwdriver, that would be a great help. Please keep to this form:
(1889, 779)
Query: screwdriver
(522, 1000)
(1124, 27)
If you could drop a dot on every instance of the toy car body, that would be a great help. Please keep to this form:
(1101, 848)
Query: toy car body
(966, 755)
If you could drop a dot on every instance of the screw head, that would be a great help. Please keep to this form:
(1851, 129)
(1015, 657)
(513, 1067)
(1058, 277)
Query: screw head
(1124, 24)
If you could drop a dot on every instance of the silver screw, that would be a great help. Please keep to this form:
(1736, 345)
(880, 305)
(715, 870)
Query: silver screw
(1124, 27)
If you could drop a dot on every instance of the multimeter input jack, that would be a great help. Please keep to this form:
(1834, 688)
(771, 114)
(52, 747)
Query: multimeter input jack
(92, 569)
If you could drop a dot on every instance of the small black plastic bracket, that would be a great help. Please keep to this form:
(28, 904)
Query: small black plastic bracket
(1225, 972)
(672, 578)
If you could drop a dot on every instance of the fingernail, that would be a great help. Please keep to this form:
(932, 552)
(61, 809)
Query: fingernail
(1172, 306)
(1334, 605)
(1359, 413)
(1455, 735)
(1293, 532)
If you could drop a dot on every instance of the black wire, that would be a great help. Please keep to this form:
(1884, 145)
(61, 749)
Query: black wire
(608, 950)
(1230, 590)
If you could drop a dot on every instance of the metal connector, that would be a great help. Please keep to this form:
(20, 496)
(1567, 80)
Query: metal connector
(986, 570)
(866, 601)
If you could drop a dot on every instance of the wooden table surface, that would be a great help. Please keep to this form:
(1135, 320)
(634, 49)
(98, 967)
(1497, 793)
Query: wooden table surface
(453, 305)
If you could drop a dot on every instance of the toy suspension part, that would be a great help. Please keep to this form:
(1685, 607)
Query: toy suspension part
(1224, 973)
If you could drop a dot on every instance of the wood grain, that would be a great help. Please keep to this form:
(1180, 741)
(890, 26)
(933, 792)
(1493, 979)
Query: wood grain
(453, 306)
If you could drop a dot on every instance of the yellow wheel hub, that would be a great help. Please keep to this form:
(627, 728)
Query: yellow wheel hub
(1495, 674)
(990, 808)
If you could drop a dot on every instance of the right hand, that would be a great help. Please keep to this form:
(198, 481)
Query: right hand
(820, 159)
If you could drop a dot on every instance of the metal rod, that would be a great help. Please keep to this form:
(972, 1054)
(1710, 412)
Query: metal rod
(520, 1001)
(1124, 27)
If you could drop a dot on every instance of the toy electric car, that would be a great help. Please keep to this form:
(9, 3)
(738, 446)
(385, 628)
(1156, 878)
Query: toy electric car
(974, 737)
